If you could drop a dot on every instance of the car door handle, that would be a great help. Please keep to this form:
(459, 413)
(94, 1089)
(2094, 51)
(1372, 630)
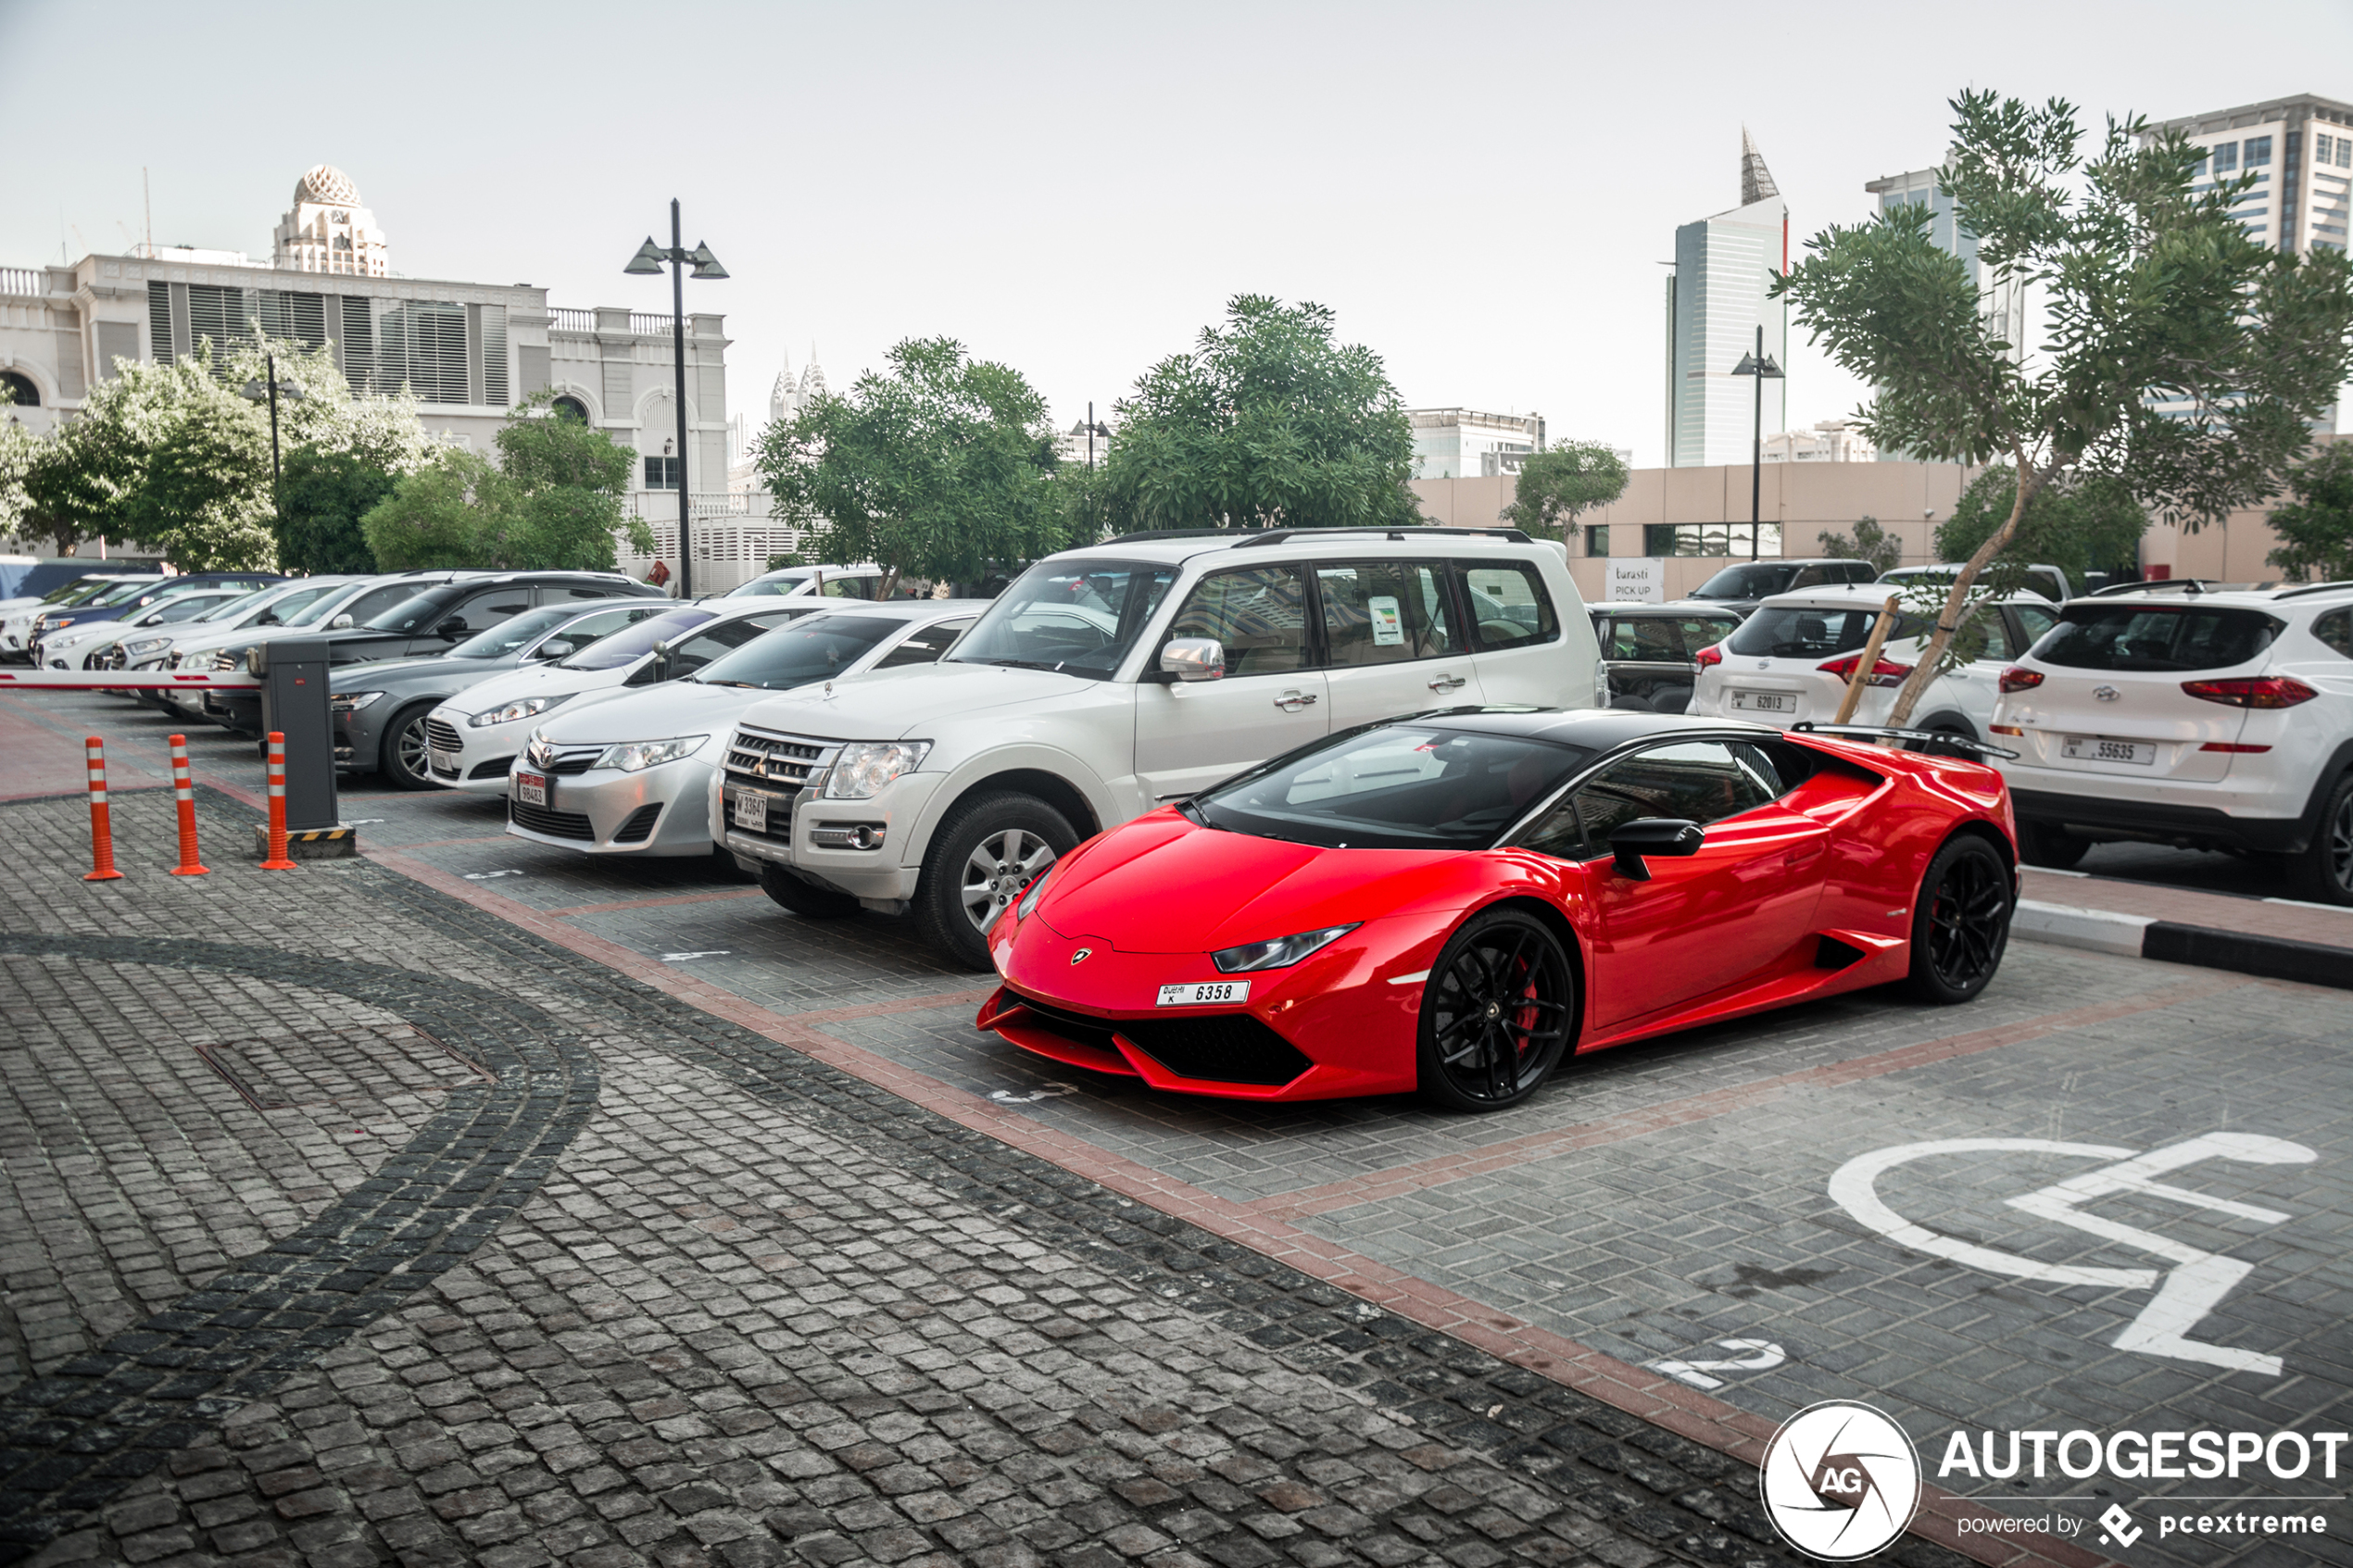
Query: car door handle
(1446, 684)
(1291, 702)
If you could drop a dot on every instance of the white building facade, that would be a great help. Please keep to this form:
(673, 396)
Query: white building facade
(1468, 444)
(1715, 301)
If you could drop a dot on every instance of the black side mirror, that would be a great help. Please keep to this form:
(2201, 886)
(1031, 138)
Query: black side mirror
(1629, 842)
(267, 618)
(452, 629)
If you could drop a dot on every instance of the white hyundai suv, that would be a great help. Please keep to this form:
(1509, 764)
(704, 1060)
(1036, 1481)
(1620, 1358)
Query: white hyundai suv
(1790, 661)
(1106, 682)
(2212, 719)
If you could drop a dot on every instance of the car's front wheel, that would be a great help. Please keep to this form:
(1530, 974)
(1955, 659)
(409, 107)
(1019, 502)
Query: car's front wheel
(1960, 921)
(403, 759)
(2324, 873)
(981, 860)
(1498, 1011)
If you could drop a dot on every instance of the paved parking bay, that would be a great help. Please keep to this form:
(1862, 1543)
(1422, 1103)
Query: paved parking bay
(1937, 1212)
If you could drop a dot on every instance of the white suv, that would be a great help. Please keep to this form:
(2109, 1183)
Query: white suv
(1790, 661)
(1109, 681)
(2217, 721)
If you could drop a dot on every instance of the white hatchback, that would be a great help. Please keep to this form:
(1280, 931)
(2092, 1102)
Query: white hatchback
(1788, 662)
(2215, 720)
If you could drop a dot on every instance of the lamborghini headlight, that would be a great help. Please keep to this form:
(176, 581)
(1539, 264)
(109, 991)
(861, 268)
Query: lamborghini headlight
(1281, 953)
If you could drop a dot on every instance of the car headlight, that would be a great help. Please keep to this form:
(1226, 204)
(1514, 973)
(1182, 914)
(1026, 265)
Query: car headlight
(1029, 899)
(514, 711)
(350, 702)
(145, 646)
(862, 768)
(1281, 953)
(636, 756)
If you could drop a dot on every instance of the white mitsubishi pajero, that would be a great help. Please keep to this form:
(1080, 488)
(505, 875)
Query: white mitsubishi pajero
(1108, 681)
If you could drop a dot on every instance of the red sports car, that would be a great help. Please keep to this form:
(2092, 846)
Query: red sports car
(1454, 901)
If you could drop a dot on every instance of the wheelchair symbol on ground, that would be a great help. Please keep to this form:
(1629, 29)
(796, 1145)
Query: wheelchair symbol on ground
(2185, 1293)
(1764, 1354)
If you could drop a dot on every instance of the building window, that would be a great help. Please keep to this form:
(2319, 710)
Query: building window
(2226, 157)
(2345, 152)
(2324, 148)
(1710, 539)
(2257, 150)
(1597, 539)
(571, 407)
(661, 473)
(21, 393)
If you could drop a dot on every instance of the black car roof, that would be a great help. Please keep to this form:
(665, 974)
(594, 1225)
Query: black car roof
(1598, 729)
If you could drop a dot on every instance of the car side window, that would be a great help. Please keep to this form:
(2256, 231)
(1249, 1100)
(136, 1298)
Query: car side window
(850, 587)
(588, 627)
(1704, 631)
(1381, 612)
(1700, 781)
(1808, 577)
(923, 646)
(376, 601)
(1509, 606)
(691, 655)
(2035, 623)
(482, 611)
(2335, 630)
(1259, 613)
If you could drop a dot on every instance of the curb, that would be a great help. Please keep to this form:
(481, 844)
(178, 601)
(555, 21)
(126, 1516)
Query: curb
(2144, 936)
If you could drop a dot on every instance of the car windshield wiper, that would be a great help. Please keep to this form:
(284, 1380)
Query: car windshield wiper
(1018, 664)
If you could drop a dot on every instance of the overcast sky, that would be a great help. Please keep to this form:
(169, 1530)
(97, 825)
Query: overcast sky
(1483, 193)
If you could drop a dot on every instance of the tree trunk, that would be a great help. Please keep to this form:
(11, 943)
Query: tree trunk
(890, 582)
(1948, 622)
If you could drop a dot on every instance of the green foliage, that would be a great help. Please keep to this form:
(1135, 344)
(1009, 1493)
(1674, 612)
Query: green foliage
(324, 498)
(791, 558)
(1556, 487)
(1871, 543)
(936, 467)
(433, 517)
(2152, 291)
(2089, 524)
(2316, 529)
(1267, 424)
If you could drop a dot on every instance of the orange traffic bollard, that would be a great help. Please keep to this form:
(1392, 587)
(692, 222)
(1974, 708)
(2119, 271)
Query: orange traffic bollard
(185, 794)
(277, 860)
(101, 825)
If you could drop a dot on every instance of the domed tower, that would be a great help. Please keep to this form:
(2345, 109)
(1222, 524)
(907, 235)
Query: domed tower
(329, 231)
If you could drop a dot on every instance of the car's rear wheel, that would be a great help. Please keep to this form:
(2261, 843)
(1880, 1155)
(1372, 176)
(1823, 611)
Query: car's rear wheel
(981, 860)
(2041, 844)
(1960, 921)
(2323, 873)
(1497, 1012)
(803, 898)
(403, 757)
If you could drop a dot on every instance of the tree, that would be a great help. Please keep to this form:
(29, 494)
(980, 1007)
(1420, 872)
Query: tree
(1556, 487)
(2316, 529)
(564, 482)
(2155, 291)
(938, 467)
(325, 495)
(1871, 543)
(1267, 424)
(432, 519)
(2085, 525)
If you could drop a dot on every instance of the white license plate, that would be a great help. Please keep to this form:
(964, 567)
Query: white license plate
(446, 762)
(2092, 748)
(1199, 991)
(751, 813)
(1765, 702)
(532, 788)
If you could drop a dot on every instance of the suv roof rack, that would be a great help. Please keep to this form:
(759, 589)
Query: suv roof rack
(1280, 535)
(1154, 535)
(2163, 586)
(2312, 588)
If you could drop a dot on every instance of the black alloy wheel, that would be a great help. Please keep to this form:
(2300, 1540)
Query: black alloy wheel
(406, 758)
(1498, 1011)
(1961, 920)
(2324, 872)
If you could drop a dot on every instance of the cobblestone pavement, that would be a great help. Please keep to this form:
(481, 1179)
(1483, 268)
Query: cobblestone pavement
(1660, 1199)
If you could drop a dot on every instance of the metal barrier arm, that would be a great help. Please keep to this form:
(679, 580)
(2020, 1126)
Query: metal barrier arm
(127, 681)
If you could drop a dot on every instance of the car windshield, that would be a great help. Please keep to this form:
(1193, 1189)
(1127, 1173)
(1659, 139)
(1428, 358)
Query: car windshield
(278, 600)
(1077, 617)
(411, 613)
(760, 586)
(186, 607)
(310, 608)
(511, 634)
(1812, 631)
(634, 642)
(2129, 636)
(117, 593)
(79, 592)
(814, 649)
(1393, 787)
(1755, 581)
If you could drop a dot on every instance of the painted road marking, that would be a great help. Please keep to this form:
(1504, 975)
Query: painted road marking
(1767, 1354)
(1052, 1091)
(2192, 1289)
(704, 953)
(489, 876)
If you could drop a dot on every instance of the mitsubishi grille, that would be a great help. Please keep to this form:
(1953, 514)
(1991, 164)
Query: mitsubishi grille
(787, 761)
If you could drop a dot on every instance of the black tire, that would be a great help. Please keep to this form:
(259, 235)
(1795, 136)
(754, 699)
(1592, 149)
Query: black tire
(805, 899)
(1945, 725)
(2041, 844)
(968, 880)
(1960, 921)
(1498, 1013)
(2323, 873)
(402, 757)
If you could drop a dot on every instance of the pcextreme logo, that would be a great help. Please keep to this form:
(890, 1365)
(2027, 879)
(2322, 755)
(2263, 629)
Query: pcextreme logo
(1839, 1480)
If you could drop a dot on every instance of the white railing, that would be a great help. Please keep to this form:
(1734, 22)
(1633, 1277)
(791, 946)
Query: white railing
(656, 506)
(23, 280)
(654, 326)
(566, 319)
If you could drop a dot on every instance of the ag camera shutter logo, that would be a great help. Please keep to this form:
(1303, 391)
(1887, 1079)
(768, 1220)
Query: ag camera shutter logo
(1841, 1481)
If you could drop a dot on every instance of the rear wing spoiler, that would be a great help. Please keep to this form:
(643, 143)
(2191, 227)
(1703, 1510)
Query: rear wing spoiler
(1930, 742)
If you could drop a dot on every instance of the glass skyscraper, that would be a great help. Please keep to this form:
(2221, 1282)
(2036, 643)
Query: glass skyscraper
(1716, 300)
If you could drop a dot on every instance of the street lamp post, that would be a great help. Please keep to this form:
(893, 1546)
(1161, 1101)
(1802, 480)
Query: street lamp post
(1760, 365)
(292, 394)
(648, 261)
